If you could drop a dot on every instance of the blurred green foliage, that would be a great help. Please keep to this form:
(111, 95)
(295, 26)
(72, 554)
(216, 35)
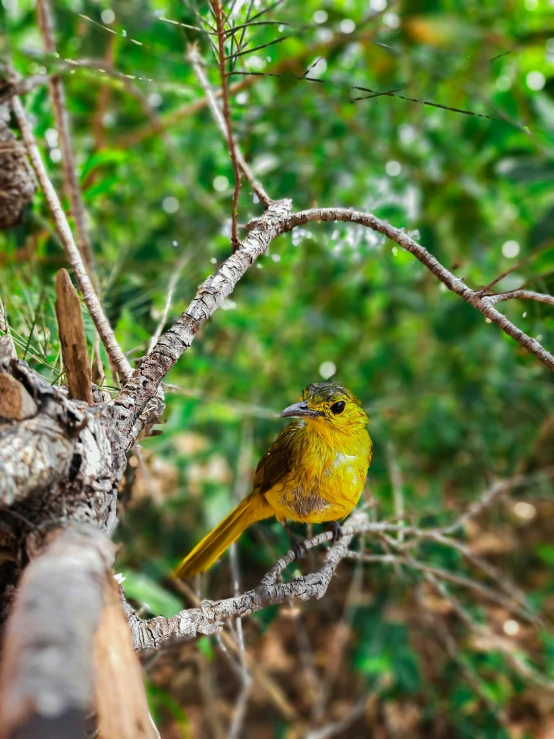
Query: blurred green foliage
(453, 401)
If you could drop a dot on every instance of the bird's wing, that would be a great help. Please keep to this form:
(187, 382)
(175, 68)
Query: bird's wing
(278, 461)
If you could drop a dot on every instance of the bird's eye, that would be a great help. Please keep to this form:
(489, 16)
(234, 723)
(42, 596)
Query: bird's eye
(337, 408)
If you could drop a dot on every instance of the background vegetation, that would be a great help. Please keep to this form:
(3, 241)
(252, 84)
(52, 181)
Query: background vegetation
(454, 403)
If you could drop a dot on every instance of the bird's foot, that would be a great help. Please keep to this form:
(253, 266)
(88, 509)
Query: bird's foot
(336, 530)
(297, 545)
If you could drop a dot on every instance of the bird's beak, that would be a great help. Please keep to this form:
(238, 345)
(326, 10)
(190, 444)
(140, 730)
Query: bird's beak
(300, 410)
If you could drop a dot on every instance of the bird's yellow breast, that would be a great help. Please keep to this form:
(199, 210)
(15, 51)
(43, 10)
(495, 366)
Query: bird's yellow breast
(326, 478)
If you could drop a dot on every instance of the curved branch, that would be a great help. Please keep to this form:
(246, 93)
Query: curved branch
(484, 304)
(521, 295)
(210, 616)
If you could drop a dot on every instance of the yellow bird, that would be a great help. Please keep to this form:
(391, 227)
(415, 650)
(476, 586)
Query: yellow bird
(313, 472)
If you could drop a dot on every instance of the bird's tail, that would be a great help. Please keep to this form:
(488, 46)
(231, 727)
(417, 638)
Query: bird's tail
(253, 508)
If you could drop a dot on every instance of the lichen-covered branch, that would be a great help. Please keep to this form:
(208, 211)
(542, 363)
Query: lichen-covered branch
(210, 616)
(146, 380)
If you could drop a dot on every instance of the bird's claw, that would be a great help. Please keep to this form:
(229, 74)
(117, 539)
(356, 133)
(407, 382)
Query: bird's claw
(336, 530)
(299, 547)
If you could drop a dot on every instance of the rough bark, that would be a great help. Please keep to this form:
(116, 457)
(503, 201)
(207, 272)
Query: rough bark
(17, 184)
(210, 617)
(35, 451)
(68, 651)
(145, 381)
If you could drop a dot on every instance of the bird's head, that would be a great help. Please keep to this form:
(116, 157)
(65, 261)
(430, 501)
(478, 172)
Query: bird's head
(328, 403)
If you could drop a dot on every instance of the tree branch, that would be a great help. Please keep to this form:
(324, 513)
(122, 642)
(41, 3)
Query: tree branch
(57, 95)
(197, 65)
(146, 379)
(71, 251)
(484, 304)
(209, 618)
(56, 667)
(521, 295)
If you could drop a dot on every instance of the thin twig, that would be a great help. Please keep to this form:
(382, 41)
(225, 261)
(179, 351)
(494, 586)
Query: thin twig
(220, 24)
(71, 251)
(396, 481)
(513, 657)
(449, 576)
(338, 728)
(198, 68)
(246, 678)
(46, 25)
(176, 274)
(521, 295)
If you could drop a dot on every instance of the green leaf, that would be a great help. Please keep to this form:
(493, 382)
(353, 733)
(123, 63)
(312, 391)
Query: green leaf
(151, 595)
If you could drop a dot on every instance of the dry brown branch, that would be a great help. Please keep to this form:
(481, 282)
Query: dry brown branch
(231, 144)
(72, 339)
(120, 699)
(255, 184)
(71, 251)
(59, 662)
(57, 95)
(289, 65)
(47, 672)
